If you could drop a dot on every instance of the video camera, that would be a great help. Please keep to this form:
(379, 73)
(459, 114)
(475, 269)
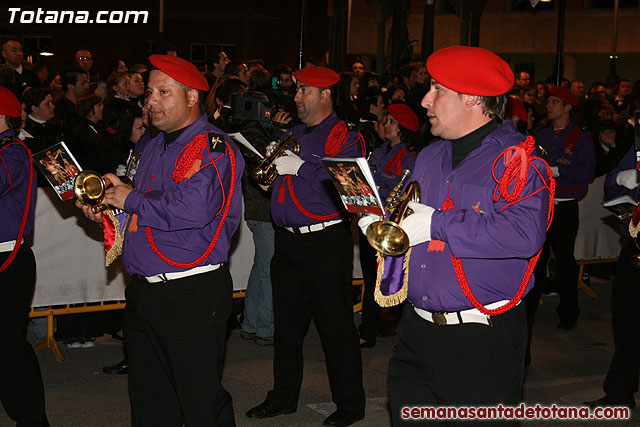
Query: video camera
(255, 106)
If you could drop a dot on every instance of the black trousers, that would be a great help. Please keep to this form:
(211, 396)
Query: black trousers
(453, 365)
(622, 379)
(311, 277)
(561, 238)
(21, 390)
(174, 333)
(370, 309)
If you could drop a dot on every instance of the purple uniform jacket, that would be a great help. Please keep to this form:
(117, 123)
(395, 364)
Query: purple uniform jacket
(183, 216)
(312, 188)
(612, 189)
(576, 162)
(389, 166)
(14, 184)
(494, 246)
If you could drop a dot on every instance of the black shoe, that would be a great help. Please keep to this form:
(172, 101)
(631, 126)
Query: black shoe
(550, 288)
(264, 341)
(268, 409)
(608, 401)
(367, 344)
(121, 368)
(342, 418)
(247, 335)
(563, 324)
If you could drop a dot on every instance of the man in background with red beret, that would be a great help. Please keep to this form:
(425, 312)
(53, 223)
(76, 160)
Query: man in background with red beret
(182, 214)
(21, 390)
(571, 155)
(313, 260)
(463, 333)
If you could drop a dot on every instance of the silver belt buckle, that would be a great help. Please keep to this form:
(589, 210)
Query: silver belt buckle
(439, 318)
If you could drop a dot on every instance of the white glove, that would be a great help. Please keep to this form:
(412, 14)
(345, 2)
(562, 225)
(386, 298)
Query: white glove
(269, 148)
(418, 224)
(289, 164)
(365, 222)
(554, 171)
(628, 178)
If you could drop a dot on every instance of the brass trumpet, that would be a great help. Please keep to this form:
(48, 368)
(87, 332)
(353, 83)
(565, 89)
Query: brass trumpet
(386, 236)
(89, 187)
(265, 173)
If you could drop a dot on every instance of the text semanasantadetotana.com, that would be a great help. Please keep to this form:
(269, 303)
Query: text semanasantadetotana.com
(522, 412)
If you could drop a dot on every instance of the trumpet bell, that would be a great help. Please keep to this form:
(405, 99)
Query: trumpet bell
(388, 238)
(89, 187)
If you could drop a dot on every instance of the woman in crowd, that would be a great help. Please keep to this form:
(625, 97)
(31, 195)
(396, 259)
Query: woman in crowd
(118, 101)
(130, 129)
(346, 96)
(136, 88)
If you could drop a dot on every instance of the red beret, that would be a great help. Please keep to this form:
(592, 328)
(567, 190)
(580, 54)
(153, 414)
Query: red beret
(470, 70)
(9, 104)
(180, 70)
(565, 94)
(516, 108)
(405, 116)
(317, 76)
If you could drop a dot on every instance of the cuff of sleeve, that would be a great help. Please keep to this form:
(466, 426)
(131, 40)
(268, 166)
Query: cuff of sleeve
(132, 202)
(305, 170)
(437, 226)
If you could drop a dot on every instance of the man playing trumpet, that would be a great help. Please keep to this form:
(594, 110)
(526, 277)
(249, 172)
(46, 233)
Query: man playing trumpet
(312, 265)
(183, 212)
(474, 236)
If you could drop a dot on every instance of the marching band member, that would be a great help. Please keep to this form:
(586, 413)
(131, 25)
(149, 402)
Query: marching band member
(182, 214)
(312, 265)
(21, 390)
(474, 238)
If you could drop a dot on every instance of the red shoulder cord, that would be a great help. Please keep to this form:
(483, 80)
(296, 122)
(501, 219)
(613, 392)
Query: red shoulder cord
(518, 159)
(182, 167)
(27, 202)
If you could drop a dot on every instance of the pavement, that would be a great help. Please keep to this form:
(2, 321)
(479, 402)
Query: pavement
(568, 368)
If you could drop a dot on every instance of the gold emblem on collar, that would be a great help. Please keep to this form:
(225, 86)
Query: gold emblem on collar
(215, 141)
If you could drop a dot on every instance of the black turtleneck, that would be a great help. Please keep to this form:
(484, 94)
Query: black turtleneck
(172, 136)
(463, 146)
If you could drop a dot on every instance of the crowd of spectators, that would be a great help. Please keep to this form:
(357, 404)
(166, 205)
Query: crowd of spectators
(605, 111)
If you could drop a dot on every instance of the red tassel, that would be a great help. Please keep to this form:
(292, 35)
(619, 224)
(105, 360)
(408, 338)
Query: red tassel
(133, 225)
(195, 167)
